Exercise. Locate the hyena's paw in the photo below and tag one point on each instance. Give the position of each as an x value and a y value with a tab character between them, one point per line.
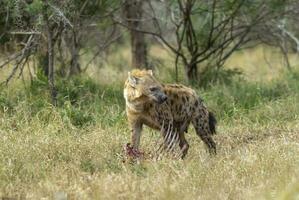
131	153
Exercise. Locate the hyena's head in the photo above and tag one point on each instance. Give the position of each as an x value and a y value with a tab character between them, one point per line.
145	87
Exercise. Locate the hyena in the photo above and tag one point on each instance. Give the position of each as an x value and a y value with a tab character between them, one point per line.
166	105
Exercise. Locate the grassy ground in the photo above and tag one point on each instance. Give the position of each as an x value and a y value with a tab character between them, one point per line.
75	149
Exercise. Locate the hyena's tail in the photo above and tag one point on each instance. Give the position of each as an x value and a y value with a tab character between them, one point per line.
212	123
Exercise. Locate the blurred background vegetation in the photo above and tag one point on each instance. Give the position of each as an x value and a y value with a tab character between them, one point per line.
71	52
190	40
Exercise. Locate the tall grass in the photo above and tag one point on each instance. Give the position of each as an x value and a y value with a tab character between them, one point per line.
75	149
242	97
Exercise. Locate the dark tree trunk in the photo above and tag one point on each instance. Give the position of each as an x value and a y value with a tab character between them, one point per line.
191	73
43	60
50	45
133	11
139	51
75	67
63	69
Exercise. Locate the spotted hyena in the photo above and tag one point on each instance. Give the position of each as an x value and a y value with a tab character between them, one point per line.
166	105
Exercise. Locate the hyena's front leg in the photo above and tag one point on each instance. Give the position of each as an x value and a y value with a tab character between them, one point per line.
132	150
136	128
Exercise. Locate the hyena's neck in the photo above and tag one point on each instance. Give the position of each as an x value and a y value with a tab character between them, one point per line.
135	107
131	103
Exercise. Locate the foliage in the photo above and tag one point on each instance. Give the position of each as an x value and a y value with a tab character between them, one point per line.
215	76
243	96
202	35
80	101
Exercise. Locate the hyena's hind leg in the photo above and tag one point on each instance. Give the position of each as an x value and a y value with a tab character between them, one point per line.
204	125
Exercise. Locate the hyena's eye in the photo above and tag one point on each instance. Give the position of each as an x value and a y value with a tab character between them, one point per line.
153	89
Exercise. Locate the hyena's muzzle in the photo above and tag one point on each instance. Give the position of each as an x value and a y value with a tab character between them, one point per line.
158	95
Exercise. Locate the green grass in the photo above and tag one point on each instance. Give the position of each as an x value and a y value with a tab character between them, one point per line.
76	147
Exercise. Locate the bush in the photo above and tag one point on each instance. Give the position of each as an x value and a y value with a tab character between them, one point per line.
80	100
5	102
76	115
212	76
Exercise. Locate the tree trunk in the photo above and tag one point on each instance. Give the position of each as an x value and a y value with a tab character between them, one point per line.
133	11
74	48
43	60
49	33
139	51
191	73
62	72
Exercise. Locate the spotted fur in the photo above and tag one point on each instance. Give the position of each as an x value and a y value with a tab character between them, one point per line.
148	102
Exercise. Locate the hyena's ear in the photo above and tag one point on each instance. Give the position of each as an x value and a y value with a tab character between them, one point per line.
133	81
150	72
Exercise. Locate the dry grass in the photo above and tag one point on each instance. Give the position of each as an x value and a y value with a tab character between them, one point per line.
43	155
39	160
